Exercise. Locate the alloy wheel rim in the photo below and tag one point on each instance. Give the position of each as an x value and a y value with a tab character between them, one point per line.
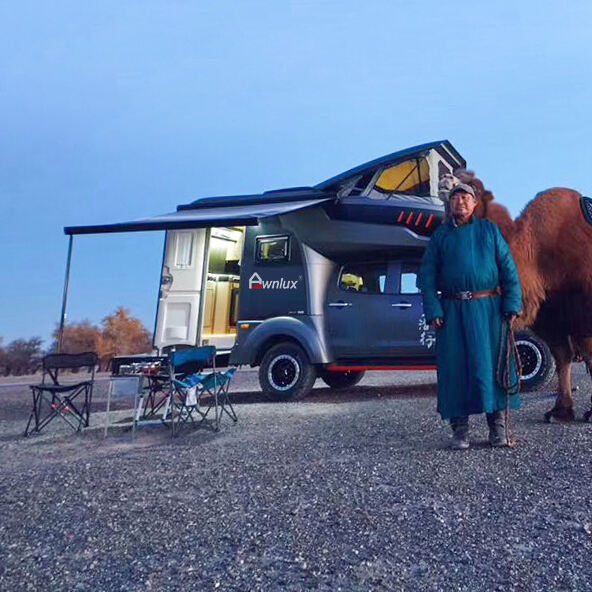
283	372
531	359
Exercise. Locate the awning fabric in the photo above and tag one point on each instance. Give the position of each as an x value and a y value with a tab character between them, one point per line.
240	215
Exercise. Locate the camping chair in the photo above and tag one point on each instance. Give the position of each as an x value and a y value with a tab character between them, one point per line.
185	383
217	385
59	398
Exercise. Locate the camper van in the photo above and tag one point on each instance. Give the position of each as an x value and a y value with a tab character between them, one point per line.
312	282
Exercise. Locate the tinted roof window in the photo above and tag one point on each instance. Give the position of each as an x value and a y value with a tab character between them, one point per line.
408	177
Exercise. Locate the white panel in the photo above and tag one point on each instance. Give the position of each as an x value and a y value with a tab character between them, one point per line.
177	318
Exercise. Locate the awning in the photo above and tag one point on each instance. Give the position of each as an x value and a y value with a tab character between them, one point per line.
239	215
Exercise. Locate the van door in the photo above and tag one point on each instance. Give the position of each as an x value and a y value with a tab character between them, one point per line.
185	262
413	336
358	305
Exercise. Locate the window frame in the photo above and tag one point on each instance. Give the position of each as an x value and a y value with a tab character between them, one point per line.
262	238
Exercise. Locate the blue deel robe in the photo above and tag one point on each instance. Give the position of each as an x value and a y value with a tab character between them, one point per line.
473	257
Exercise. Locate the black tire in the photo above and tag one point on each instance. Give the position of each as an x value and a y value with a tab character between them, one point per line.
341	380
538	365
285	373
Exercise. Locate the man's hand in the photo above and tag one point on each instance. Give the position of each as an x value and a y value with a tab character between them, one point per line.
511	318
438	323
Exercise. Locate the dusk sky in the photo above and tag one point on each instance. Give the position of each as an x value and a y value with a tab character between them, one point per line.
115	110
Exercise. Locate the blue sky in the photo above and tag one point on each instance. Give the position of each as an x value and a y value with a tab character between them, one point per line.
119	109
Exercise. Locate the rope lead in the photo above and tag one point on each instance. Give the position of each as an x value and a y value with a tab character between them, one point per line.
508	352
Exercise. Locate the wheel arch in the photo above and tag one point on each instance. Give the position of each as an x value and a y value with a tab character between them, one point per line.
301	332
270	342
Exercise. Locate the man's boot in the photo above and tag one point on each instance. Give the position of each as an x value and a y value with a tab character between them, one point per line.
497	428
460	433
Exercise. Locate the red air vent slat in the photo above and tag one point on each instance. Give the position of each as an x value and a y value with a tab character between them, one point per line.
419	218
409	218
401	215
429	220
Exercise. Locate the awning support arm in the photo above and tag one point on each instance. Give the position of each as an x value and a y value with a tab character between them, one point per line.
65	295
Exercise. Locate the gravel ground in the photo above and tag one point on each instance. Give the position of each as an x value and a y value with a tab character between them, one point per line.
355	491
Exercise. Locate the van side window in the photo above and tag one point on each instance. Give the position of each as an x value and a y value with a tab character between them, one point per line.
409	278
272	248
369	278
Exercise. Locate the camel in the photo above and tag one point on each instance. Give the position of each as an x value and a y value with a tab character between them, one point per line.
551	242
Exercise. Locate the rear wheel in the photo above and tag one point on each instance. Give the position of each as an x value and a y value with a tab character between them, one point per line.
538	365
341	380
285	373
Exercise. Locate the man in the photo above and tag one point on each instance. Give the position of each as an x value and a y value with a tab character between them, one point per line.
470	286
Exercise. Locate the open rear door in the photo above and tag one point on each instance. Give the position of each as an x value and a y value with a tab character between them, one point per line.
181	287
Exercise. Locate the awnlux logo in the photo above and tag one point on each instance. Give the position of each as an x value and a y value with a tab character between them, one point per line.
256	282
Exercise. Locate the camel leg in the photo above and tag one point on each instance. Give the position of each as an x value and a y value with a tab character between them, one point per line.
585	348
563	408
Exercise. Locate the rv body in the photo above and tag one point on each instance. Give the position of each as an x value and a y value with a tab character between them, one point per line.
307	282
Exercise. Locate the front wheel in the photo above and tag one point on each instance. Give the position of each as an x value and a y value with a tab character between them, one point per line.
341	380
538	365
285	373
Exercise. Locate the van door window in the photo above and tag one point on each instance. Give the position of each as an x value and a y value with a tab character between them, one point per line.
364	278
409	279
184	250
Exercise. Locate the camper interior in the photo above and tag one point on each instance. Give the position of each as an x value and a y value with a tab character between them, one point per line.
222	288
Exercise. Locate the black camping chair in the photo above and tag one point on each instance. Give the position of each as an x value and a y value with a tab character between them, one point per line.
52	399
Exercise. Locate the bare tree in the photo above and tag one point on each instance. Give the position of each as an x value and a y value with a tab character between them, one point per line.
23	356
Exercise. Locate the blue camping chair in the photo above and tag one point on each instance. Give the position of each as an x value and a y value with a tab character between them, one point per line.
188	383
217	385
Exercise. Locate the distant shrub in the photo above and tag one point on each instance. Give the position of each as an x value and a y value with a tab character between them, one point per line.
21	356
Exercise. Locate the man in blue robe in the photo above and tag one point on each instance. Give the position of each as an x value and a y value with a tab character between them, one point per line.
470	286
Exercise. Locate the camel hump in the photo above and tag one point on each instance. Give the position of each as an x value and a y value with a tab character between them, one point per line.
557	193
551	206
586	203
